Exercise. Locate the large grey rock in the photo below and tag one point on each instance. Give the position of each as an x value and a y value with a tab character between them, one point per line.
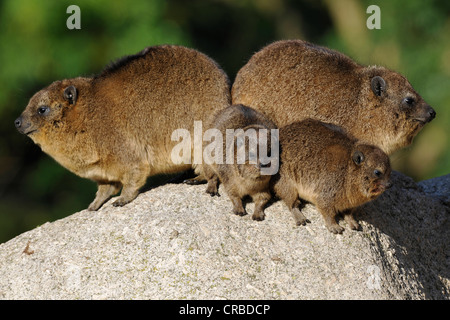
176	242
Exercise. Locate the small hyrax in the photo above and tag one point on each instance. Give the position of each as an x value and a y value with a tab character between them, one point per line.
115	128
294	80
320	164
245	178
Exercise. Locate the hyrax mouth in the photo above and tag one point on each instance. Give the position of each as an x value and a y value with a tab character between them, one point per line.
378	188
428	115
28	133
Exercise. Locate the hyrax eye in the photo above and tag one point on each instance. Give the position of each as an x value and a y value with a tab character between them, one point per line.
409	101
377	173
43	110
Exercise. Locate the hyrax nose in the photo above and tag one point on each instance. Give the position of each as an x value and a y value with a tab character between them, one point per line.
18	122
432	113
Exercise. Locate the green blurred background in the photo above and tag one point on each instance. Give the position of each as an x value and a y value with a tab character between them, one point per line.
37	49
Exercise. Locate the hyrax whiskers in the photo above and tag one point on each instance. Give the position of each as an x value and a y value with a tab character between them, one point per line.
320	164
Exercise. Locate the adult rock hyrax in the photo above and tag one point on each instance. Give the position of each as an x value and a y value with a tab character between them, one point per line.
293	80
248	134
320	164
115	128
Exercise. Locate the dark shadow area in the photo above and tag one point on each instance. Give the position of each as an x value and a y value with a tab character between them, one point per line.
411	234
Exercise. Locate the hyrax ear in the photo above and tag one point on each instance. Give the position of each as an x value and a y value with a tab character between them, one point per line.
70	94
358	157
378	86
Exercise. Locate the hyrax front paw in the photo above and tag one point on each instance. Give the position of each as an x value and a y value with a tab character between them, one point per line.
335	228
300	219
354	225
194	181
94	206
302	222
212	188
239	212
120	202
213	192
258	216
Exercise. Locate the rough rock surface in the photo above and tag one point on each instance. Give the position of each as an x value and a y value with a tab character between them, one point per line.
176	242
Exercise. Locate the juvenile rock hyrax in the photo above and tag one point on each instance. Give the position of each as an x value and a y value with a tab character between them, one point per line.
250	137
115	128
294	80
320	164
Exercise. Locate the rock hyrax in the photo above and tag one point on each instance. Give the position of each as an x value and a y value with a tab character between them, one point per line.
115	128
251	175
319	163
294	80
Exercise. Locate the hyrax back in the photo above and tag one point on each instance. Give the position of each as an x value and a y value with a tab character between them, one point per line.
115	128
250	137
319	163
294	80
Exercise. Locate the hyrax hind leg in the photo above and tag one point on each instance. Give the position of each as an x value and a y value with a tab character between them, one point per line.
329	214
132	182
238	207
104	192
260	200
289	194
300	219
200	179
213	181
202	175
213	186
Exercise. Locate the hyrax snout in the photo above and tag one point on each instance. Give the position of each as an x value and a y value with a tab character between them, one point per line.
115	128
294	80
321	164
249	160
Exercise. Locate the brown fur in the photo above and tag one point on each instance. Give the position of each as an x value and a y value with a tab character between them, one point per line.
240	180
118	130
293	80
317	165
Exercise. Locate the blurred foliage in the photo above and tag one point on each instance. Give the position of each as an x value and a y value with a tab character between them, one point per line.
37	49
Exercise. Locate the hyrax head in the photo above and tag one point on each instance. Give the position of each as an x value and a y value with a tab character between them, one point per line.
257	152
370	170
401	110
46	113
